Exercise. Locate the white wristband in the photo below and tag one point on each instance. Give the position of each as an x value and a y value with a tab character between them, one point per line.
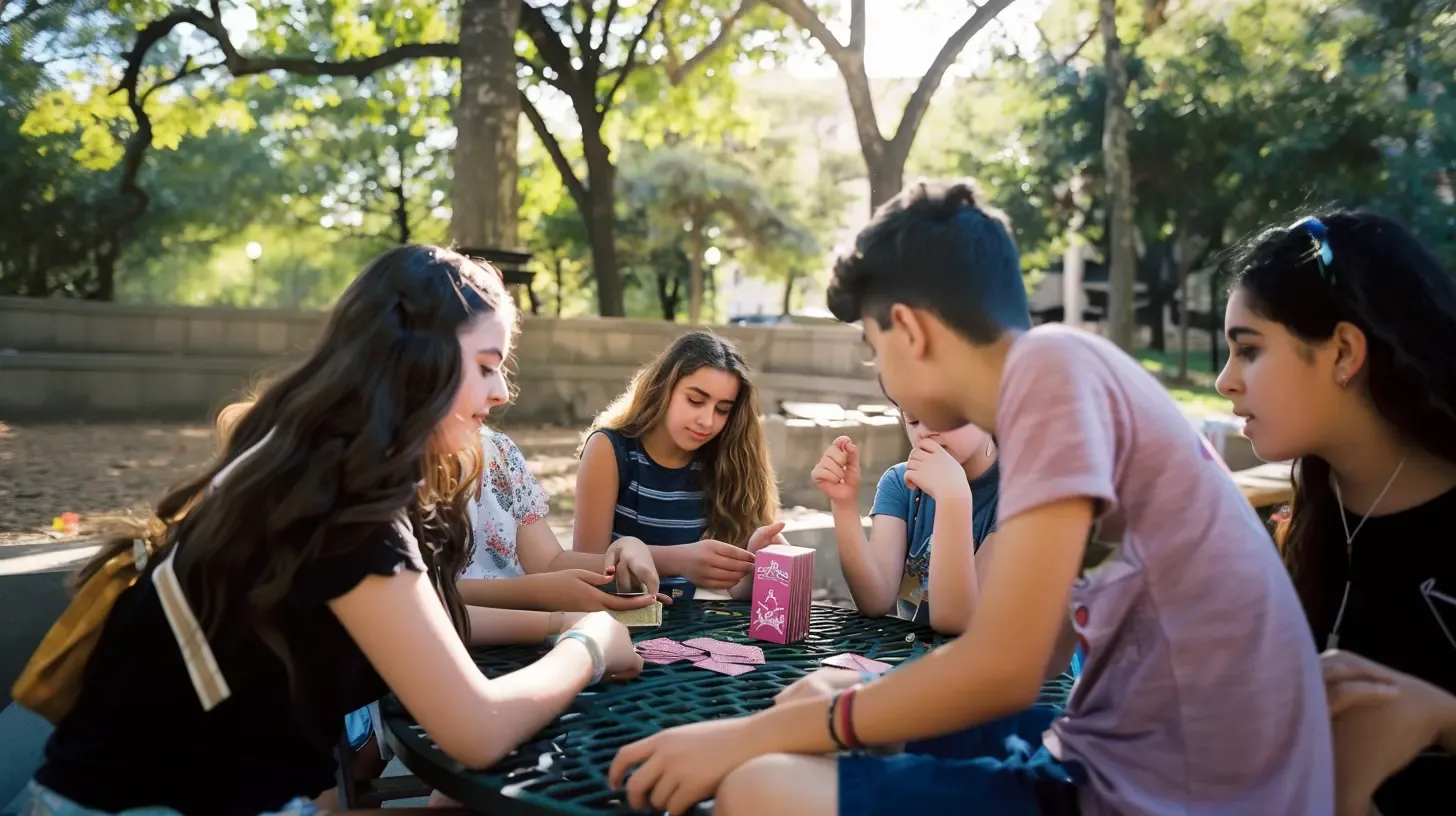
599	662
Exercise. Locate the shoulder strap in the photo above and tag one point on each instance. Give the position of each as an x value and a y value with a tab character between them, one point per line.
207	680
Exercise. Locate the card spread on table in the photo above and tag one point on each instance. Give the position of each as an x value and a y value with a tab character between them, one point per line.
643	616
718	648
721	656
783	593
855	662
668	645
730	669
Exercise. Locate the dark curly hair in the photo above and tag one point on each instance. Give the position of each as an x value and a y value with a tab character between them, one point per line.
350	448
1385	282
935	248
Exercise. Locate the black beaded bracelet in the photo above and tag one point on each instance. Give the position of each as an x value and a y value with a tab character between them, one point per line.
833	710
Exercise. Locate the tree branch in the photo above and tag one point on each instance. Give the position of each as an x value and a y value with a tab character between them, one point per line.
554	52
857	26
599	47
806	19
187	70
677	72
630	61
920	100
539	70
1062	63
237	65
579	192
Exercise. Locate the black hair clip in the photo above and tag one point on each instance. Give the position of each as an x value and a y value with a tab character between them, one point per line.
1320	237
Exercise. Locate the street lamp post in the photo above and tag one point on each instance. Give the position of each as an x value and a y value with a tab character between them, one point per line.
255	251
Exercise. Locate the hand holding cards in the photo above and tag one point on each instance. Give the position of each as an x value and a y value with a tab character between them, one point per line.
783	593
650	615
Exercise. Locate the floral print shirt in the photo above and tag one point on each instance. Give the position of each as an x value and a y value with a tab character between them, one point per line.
509	498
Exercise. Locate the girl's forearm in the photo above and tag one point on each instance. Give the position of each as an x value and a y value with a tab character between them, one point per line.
521	703
1447	735
873	593
571	559
497	593
511	627
666	559
953	584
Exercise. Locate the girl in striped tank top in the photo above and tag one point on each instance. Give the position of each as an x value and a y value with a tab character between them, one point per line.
680	462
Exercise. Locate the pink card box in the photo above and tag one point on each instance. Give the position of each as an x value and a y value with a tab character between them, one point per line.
778	572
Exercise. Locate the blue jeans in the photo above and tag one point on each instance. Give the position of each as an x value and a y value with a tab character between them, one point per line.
46	802
1002	767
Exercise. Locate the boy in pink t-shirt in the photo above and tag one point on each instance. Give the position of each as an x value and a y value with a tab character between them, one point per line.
1201	692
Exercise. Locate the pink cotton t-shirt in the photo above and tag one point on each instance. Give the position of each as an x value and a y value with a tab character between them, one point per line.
1201	693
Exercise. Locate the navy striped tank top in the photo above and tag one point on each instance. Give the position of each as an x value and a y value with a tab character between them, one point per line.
659	505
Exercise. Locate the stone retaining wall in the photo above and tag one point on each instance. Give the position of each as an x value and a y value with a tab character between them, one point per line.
66	359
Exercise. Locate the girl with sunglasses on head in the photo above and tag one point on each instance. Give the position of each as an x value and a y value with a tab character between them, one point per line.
1342	337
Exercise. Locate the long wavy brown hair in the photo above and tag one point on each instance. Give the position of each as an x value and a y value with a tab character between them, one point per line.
352	433
740	493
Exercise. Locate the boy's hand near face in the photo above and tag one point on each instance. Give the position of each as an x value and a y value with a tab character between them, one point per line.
933	470
837	474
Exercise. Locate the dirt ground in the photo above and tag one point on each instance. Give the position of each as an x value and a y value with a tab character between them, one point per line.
98	469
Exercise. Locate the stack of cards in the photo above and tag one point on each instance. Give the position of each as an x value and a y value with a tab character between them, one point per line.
783	590
714	655
650	615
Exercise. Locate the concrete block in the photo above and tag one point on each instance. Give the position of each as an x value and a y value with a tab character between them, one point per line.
169	335
240	337
114	390
272	337
71	333
27	330
204	336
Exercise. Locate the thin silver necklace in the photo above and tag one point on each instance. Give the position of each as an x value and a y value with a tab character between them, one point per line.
1334	639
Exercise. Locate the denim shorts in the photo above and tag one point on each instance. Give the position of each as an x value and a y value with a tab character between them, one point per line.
46	802
1001	766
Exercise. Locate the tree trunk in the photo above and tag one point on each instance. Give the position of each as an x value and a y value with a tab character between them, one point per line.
401	211
602	231
789	281
668	291
695	272
106	255
1122	255
487	121
887	177
560	283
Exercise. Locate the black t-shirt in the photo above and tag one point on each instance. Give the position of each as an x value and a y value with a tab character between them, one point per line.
1402	613
138	735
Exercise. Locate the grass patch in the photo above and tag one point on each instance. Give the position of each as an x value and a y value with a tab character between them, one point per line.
1197	393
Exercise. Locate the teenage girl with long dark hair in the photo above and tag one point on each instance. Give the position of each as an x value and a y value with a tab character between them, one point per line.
1342	330
313	567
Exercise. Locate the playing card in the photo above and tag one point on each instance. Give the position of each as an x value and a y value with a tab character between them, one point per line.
644	616
723	647
730	669
662	659
743	660
669	646
855	662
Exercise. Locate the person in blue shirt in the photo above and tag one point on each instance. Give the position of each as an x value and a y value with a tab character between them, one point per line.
932	521
680	462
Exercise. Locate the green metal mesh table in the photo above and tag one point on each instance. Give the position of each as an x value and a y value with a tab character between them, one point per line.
563	768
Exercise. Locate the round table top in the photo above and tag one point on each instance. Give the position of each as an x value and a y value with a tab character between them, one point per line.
563	768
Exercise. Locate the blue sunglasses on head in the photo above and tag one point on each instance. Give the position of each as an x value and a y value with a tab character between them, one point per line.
1320	236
